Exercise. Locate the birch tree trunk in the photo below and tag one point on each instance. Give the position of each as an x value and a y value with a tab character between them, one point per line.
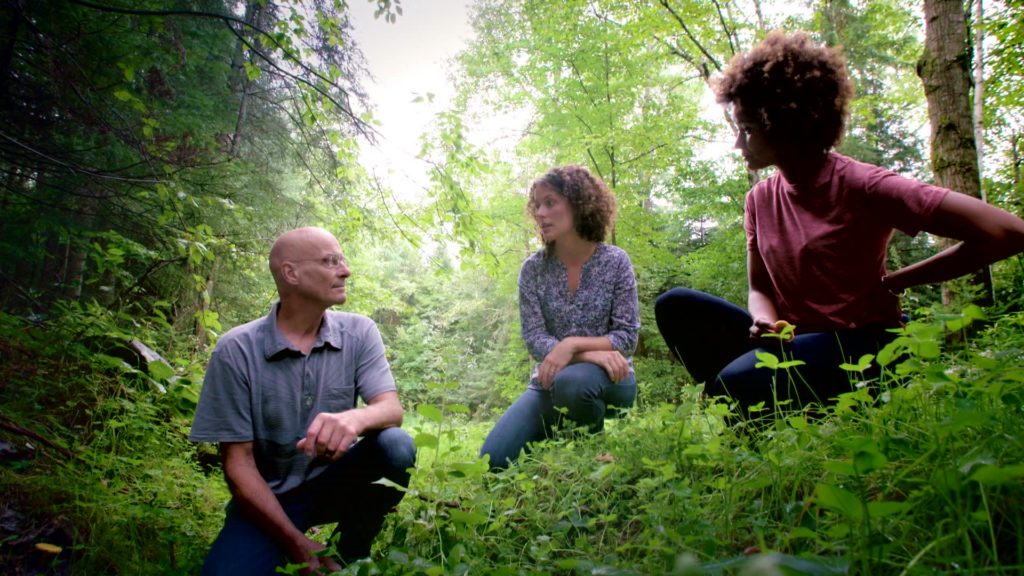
945	72
979	87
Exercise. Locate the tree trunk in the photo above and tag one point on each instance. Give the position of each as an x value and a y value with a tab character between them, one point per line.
7	53
73	274
205	297
979	87
945	72
1015	151
253	15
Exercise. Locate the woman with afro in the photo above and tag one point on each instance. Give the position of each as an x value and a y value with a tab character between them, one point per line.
817	236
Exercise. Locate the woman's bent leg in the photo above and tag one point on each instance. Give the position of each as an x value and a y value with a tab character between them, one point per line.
586	392
818	379
529	419
704	332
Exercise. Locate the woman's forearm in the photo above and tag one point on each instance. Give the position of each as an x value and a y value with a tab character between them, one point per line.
582	344
953	262
761	306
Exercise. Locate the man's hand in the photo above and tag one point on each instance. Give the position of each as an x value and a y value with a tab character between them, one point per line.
613	362
558	358
304	551
331	434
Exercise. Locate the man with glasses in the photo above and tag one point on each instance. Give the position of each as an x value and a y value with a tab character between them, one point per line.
280	397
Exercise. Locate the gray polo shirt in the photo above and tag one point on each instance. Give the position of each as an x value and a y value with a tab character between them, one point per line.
260	388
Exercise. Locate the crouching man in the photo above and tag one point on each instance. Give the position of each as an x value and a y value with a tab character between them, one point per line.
280	400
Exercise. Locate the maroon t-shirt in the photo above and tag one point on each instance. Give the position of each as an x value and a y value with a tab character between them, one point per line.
825	247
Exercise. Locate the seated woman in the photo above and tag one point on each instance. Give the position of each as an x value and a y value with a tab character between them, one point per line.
817	237
579	313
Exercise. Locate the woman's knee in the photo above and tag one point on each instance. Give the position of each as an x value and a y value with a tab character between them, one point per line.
529	419
671	302
578	382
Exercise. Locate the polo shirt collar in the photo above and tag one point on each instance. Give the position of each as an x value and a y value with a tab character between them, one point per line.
275	344
330	332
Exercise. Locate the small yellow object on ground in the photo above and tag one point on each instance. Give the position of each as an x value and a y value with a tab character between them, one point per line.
48	548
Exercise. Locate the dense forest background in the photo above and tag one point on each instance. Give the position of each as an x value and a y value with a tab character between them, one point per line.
151	151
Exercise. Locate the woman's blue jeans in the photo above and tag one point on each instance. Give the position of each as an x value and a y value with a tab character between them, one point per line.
344	493
583	390
711	337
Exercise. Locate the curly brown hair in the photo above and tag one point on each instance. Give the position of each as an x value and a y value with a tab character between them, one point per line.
798	90
592	202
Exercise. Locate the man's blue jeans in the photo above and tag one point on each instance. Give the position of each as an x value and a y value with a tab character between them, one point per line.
711	337
344	493
583	390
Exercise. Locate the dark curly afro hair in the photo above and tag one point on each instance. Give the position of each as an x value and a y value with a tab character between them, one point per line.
593	204
796	89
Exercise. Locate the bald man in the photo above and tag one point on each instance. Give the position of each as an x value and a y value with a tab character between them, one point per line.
279	398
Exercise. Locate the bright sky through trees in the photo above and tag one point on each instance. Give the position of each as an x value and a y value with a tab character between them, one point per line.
409	61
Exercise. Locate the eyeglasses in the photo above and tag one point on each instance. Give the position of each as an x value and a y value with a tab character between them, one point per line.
331	261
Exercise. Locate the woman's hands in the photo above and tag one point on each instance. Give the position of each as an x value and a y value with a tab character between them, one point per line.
558	358
613	362
763	326
566	352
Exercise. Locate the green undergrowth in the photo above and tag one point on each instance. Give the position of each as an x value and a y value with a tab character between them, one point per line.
917	472
97	473
920	471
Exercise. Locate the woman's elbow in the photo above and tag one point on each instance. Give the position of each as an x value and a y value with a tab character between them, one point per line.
1008	242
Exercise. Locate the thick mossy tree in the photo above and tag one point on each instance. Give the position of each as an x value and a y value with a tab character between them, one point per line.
945	71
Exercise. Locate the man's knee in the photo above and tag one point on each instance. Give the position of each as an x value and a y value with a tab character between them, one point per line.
398	449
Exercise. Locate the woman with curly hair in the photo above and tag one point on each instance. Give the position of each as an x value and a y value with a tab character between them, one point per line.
817	236
579	313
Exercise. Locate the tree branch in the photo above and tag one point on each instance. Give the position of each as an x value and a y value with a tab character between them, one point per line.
9	425
686	30
725	27
228	20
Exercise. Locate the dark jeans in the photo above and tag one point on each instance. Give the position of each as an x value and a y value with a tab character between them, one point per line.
711	337
583	390
344	493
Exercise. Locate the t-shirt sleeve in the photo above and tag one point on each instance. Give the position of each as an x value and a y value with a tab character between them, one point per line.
224	412
372	371
906	204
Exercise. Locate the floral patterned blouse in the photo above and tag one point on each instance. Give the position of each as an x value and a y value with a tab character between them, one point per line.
605	303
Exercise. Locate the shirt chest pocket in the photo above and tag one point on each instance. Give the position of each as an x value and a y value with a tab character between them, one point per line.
338	397
336	385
